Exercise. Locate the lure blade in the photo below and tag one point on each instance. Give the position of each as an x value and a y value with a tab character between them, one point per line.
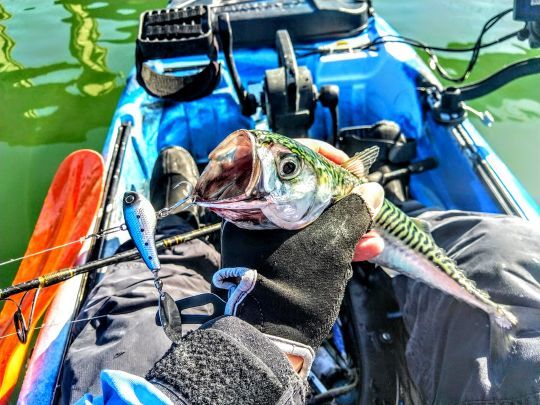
141	222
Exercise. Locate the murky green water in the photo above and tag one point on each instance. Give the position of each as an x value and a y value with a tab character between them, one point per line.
63	65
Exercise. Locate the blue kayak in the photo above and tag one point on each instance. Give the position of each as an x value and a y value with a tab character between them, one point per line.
382	82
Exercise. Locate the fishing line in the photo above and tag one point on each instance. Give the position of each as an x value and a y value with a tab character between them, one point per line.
55	324
19	321
162	213
131	254
190	199
433	59
80	240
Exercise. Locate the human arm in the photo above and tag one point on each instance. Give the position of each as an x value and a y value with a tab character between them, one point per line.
295	280
294	299
313	242
209	366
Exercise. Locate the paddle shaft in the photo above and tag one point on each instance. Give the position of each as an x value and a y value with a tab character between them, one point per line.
132	254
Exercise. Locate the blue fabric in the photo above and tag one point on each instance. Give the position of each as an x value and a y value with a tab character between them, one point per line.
119	387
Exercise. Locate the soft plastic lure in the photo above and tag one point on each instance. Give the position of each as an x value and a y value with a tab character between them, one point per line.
258	179
141	222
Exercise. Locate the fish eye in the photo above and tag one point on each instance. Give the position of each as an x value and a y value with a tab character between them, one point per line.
289	167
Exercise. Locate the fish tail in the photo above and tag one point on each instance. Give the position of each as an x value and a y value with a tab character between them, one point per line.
504	318
415	235
501	341
497	313
501	316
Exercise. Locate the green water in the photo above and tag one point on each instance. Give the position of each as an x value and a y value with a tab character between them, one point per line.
515	135
63	65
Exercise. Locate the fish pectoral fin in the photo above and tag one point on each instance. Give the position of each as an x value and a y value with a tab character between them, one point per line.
361	162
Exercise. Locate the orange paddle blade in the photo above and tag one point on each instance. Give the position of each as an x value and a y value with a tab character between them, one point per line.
68	211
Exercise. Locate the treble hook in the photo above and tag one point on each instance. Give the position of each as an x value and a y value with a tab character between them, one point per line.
165	212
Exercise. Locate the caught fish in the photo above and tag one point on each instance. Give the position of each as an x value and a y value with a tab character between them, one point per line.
258	179
141	222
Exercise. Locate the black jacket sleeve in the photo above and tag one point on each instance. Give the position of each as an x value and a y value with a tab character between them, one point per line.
227	361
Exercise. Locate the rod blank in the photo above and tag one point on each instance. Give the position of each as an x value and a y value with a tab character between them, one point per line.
132	254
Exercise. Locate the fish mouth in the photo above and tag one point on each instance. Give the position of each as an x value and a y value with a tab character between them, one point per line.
231	178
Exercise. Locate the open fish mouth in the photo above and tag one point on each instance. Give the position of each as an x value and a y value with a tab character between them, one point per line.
231	179
255	216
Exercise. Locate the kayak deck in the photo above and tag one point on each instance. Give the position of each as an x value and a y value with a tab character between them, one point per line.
375	84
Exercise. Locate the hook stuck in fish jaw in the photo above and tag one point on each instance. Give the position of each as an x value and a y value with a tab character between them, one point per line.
174	209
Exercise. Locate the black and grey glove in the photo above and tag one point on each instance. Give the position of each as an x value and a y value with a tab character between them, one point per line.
293	297
290	284
227	361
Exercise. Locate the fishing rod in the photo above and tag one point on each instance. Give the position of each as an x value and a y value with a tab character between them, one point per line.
162	213
132	254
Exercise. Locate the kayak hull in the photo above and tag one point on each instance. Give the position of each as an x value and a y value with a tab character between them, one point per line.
375	84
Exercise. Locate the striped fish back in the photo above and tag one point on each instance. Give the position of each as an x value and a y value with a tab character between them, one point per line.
400	226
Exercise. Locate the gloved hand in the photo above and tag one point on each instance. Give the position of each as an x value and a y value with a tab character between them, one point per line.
290	284
290	287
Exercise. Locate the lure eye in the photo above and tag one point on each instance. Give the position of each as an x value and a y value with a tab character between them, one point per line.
129	199
289	167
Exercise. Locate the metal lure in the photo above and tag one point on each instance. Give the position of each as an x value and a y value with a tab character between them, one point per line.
141	222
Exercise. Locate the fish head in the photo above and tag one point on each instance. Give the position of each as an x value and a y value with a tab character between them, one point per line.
258	179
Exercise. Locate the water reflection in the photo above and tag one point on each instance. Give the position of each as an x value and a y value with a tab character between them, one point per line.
7	63
96	79
63	100
6	45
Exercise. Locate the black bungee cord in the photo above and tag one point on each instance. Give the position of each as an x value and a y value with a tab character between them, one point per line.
433	60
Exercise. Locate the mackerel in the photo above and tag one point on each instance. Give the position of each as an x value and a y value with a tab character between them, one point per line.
261	180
